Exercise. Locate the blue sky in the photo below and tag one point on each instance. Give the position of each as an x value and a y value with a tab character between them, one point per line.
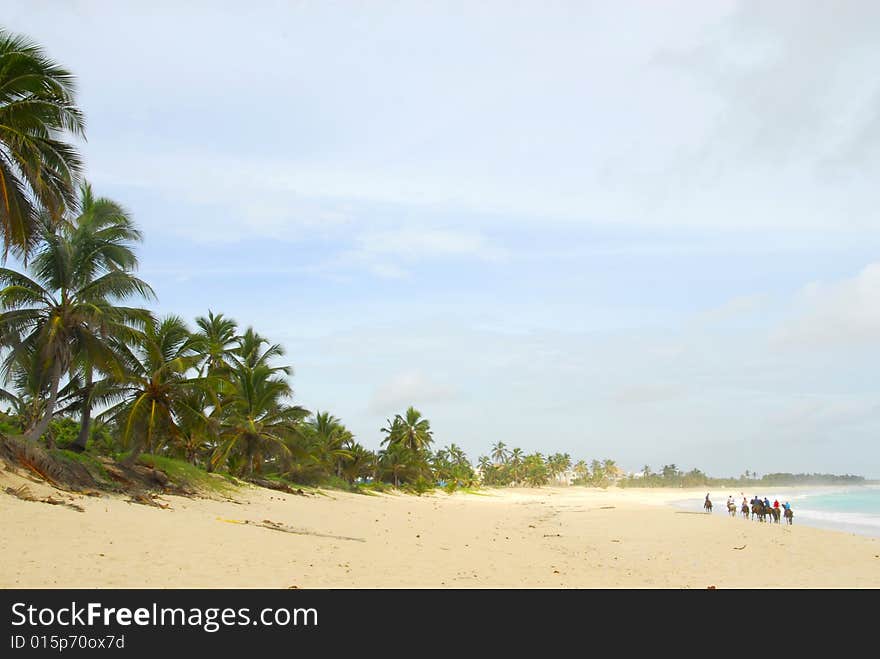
643	231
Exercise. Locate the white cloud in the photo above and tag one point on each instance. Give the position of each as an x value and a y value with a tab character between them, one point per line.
409	388
844	313
734	309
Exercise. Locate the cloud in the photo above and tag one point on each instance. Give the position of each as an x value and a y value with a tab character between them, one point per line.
807	415
734	309
409	388
717	116
845	313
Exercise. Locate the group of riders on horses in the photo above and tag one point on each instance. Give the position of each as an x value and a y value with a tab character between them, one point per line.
757	507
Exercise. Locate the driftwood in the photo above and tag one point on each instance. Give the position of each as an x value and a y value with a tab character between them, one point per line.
33	458
146	500
276	526
275	485
24	493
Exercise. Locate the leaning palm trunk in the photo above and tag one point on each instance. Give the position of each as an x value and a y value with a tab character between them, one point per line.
36	431
134	454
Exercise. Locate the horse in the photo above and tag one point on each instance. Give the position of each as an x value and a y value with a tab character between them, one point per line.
745	511
758	511
774	512
707	506
731	508
788	515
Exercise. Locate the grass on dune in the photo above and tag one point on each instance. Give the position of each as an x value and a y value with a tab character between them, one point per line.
92	464
187	475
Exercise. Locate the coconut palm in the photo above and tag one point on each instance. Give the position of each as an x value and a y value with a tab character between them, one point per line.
68	312
156	386
251	353
196	431
27	395
500	453
38	169
410	430
516	464
256	421
399	463
358	463
329	441
103	235
611	469
219	343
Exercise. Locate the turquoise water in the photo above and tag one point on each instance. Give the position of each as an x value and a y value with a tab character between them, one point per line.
849	509
856	510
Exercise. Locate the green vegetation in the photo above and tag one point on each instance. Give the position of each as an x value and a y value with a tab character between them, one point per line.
38	168
672	476
92	464
184	474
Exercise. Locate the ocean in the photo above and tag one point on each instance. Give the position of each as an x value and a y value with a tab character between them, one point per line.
853	509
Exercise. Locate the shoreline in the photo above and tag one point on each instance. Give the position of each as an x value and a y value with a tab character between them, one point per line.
851	523
511	538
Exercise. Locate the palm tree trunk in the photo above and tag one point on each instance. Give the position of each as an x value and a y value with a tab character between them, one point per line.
35	432
135	453
85	421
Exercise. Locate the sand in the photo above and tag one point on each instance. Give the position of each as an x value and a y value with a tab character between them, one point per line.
512	538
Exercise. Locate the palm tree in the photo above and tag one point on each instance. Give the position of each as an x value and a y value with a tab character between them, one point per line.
400	463
103	235
255	419
38	170
196	430
516	462
358	463
218	342
28	379
598	471
536	471
500	453
68	313
329	439
156	385
611	469
409	430
487	470
670	472
250	352
457	456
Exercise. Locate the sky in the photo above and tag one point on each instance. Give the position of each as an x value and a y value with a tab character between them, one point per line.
633	230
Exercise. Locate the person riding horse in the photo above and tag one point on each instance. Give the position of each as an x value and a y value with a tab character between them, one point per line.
707	505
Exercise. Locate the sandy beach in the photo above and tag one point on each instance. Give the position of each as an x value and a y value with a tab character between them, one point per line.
511	538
